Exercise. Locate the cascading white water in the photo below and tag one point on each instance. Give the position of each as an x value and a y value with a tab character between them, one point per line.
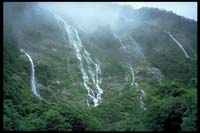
33	84
91	75
186	55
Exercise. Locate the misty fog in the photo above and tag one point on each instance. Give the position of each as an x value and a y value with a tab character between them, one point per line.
86	15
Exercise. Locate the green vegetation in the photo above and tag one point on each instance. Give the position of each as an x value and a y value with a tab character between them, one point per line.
171	105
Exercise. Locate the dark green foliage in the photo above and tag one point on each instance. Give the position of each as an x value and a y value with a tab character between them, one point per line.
23	111
122	113
168	108
44	75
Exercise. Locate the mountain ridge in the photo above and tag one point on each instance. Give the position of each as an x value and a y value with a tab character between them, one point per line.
126	59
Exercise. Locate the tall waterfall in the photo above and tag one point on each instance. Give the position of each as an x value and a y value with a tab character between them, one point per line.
186	55
91	72
33	83
141	91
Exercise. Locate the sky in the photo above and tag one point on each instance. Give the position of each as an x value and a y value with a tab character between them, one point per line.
186	9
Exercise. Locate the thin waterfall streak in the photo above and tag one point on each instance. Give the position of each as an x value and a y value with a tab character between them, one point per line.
133	76
123	46
132	73
33	84
136	87
88	103
172	37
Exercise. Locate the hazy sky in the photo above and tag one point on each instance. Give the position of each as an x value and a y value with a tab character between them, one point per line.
186	9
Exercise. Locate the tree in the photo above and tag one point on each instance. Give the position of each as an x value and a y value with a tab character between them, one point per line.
167	108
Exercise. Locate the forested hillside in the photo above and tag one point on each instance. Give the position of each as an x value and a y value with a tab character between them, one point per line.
66	71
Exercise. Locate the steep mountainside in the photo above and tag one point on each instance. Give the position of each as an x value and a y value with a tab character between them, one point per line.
66	71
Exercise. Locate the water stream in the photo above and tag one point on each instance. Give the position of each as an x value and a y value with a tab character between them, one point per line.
90	69
186	54
33	82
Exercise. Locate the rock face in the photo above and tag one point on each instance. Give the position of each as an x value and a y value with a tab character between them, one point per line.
89	62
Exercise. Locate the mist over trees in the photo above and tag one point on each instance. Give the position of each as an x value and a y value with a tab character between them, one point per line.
138	64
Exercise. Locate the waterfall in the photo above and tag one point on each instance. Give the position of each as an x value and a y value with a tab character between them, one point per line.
122	45
33	83
88	103
91	72
186	55
133	76
141	91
